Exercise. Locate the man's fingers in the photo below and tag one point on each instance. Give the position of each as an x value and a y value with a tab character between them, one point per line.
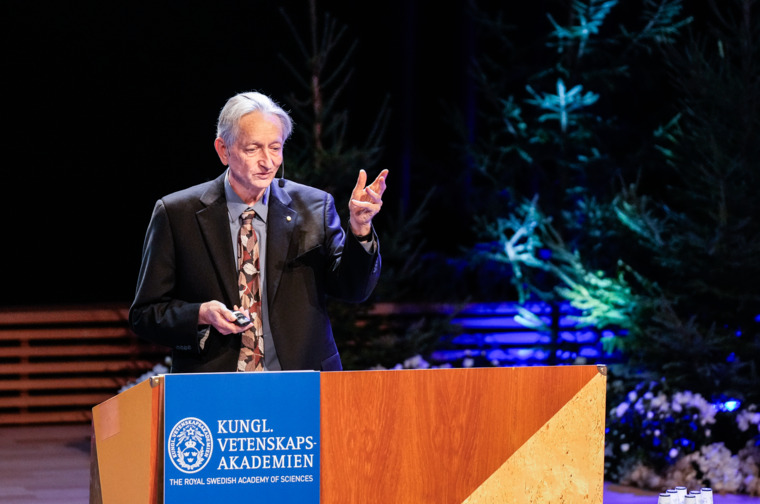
366	201
361	190
361	182
369	196
364	204
379	184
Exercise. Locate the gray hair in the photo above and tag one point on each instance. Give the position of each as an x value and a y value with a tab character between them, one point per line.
244	103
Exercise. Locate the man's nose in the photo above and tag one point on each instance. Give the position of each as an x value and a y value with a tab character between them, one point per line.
267	159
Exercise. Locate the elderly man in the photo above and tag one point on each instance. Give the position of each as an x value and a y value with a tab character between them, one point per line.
236	272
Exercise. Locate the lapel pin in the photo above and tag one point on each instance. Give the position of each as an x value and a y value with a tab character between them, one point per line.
287	218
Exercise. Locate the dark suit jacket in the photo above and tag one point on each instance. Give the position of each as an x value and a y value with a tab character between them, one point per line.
188	260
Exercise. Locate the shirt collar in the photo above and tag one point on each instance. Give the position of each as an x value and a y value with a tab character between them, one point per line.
236	206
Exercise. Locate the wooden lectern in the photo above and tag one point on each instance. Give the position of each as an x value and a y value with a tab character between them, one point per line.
486	435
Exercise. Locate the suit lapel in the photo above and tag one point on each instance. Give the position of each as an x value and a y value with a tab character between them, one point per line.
281	222
213	221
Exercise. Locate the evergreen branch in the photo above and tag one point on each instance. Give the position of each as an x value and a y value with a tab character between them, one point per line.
590	17
295	33
374	140
329	105
297	74
562	104
634	213
329	46
661	23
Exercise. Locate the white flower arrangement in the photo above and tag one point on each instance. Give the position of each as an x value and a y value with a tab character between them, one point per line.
659	440
418	362
714	463
748	418
158	369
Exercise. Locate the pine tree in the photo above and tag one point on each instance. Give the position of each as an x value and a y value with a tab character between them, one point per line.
325	152
643	221
561	127
701	235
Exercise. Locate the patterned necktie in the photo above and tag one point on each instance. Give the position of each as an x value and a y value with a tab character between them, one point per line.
252	344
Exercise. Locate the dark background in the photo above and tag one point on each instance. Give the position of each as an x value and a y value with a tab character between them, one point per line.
110	105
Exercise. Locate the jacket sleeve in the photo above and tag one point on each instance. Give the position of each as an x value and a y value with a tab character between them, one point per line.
155	314
354	272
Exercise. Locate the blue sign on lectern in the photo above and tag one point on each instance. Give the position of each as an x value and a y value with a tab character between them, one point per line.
241	437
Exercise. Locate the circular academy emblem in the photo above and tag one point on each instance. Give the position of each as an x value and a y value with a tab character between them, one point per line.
190	445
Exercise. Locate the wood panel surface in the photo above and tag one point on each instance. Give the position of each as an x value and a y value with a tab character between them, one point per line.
562	462
56	363
128	447
49	464
434	436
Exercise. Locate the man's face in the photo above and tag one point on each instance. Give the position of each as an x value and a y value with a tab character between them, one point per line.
255	156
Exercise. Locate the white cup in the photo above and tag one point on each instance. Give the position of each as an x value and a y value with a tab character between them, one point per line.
681	493
707	496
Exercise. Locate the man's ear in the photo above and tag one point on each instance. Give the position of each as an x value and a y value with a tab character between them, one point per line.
221	151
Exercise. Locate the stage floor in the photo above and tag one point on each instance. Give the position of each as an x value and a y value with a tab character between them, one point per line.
51	464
